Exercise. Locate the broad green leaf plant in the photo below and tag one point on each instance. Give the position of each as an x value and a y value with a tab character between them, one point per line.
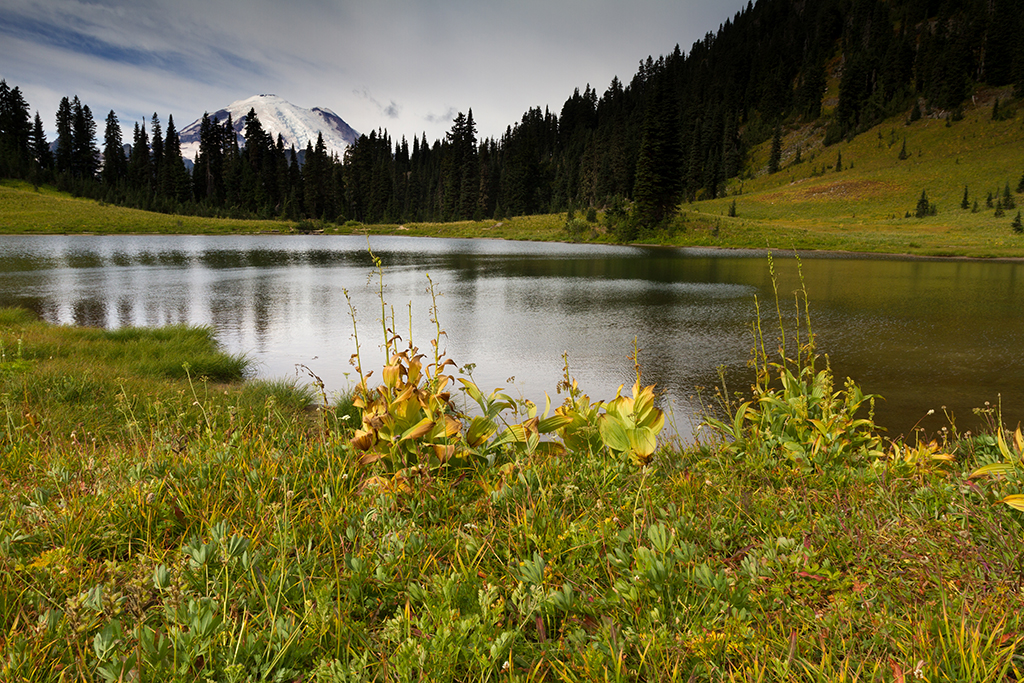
795	414
1011	465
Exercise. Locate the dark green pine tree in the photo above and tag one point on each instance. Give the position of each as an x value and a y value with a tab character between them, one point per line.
115	163
775	156
1017	226
923	206
65	139
965	203
469	189
208	172
15	133
1020	185
156	153
232	165
85	155
315	178
140	169
174	180
1008	202
41	153
658	188
1002	40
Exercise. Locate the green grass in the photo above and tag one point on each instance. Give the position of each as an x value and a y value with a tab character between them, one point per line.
156	526
26	210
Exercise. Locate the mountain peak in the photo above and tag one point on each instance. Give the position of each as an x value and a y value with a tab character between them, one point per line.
297	126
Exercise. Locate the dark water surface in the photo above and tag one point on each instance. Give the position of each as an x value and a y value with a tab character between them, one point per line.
922	333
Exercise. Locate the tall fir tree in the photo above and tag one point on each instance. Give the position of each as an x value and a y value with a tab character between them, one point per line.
156	152
775	155
140	169
84	154
65	139
115	163
659	168
15	132
41	153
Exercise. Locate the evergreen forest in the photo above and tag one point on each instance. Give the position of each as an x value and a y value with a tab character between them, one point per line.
683	124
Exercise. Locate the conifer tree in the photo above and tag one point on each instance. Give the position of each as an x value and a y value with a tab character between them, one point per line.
839	162
924	207
115	163
1017	226
139	167
659	170
85	161
1008	202
65	141
903	151
15	132
156	152
775	156
41	148
965	203
175	180
208	172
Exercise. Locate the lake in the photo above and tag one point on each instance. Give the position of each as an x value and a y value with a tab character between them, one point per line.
922	333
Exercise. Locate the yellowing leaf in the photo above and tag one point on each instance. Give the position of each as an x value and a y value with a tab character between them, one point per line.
419	429
1015	501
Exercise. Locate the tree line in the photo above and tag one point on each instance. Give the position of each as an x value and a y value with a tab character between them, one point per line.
675	132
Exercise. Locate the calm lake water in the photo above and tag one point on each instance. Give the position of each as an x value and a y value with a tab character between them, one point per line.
921	333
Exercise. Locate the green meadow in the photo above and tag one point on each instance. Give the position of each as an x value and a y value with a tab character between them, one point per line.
164	521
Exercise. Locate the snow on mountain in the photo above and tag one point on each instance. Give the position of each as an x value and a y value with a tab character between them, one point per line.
277	116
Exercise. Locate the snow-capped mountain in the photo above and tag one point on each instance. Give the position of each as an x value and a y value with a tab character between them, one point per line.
277	116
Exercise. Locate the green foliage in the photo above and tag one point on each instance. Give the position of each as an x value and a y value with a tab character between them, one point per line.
630	425
577	229
1010	466
795	415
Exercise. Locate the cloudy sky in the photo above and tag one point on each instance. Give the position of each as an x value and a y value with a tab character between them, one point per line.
405	65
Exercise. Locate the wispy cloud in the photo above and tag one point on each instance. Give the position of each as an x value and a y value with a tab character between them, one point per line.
447	117
408	64
392	110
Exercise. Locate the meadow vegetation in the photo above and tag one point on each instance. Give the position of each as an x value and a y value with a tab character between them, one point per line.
162	521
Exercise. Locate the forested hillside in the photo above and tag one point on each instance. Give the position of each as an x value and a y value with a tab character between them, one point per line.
683	124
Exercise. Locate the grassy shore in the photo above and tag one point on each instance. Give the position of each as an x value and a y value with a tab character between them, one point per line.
162	521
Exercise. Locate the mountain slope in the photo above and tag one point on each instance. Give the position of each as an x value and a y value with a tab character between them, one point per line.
296	125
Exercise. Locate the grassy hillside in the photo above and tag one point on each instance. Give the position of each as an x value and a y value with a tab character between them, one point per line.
864	206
